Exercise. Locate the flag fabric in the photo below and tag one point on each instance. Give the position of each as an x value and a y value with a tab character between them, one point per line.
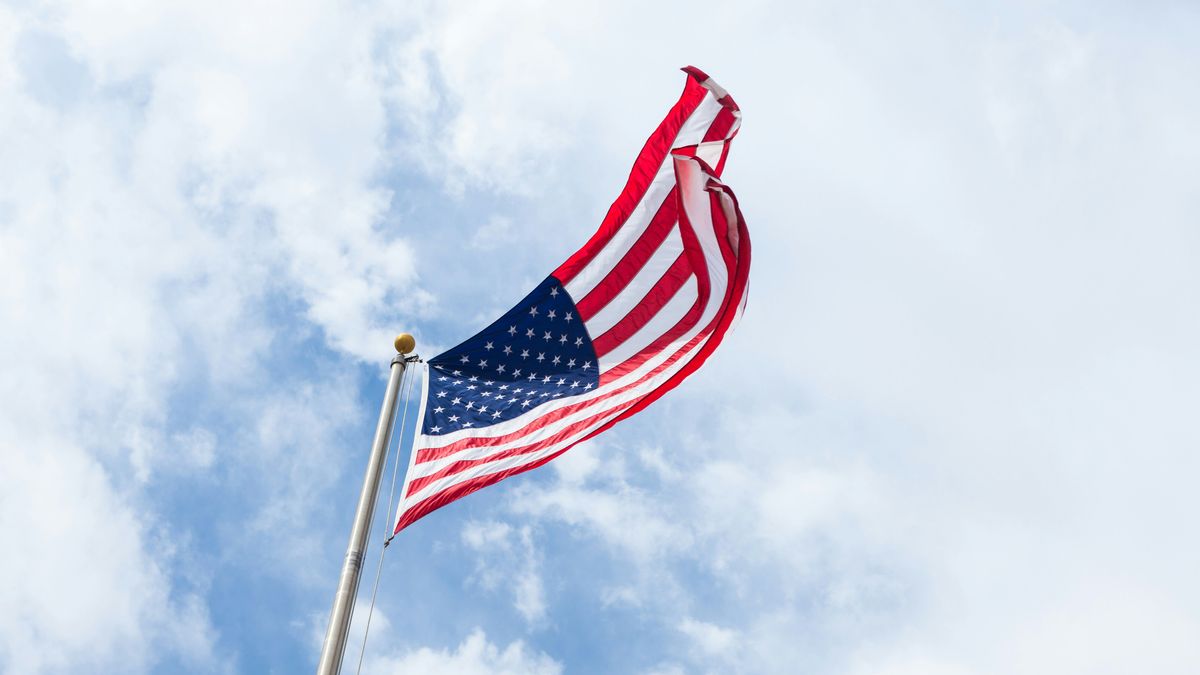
625	319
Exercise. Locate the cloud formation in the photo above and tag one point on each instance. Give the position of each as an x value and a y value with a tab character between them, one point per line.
951	435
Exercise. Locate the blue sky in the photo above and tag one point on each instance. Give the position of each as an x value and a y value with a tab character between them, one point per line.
952	435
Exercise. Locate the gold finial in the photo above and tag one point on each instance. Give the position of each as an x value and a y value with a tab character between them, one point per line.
405	343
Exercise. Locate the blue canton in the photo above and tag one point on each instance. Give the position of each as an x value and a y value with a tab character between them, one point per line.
536	352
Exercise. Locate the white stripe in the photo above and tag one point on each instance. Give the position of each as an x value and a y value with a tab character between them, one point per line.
719	280
697	205
711	152
624	239
630	296
668	316
691	133
612	407
517	423
491	467
546	431
697	125
695	202
558	425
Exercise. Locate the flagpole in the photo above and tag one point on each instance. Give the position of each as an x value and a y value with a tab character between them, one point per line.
343	600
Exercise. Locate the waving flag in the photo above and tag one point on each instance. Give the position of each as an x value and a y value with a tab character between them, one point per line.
624	320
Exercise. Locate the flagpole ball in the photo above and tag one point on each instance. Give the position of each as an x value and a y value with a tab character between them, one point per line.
405	343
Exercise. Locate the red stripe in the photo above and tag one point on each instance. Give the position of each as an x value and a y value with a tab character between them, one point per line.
693	315
625	270
734	242
739	263
720	126
417	484
644	169
619	277
733	299
691	248
460	490
429	454
699	265
647	308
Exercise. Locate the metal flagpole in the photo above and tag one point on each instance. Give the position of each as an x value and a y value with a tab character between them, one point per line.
343	601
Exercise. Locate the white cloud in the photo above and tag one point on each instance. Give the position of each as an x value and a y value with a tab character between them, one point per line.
475	656
508	560
88	582
710	639
951	435
170	180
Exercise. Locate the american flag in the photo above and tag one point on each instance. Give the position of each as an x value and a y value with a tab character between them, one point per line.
624	320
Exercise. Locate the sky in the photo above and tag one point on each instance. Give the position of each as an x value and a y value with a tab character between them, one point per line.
954	433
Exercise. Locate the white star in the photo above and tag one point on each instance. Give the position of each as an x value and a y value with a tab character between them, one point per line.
456	382
503	387
470	386
533	311
587	386
483	408
556	360
488	383
574	384
546	336
464	359
524	404
470	405
571	363
568	317
507	350
563	339
518	390
438	409
473	378
500	368
587	364
554	292
561	381
495	414
517	372
441	394
541	356
468	424
578	342
456	401
529	333
524	353
488	347
550	315
532	377
434	430
546	379
512	330
482	363
453	418
456	373
544	394
443	378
